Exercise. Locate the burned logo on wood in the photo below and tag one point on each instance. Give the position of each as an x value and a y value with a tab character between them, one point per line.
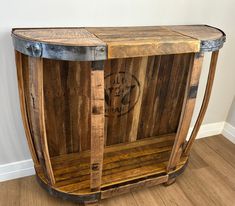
122	91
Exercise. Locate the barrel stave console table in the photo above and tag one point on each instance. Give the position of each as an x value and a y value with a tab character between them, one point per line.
107	110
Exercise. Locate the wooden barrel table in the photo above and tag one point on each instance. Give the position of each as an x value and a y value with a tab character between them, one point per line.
107	110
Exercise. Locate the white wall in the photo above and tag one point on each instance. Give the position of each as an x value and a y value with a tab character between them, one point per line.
231	114
28	13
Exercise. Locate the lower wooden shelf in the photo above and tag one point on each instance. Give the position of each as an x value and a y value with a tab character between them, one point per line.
123	164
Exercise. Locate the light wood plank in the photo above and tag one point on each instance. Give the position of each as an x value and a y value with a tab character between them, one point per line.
97	127
60	36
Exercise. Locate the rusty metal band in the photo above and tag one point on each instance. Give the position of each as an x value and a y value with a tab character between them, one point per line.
59	52
212	45
193	92
68	196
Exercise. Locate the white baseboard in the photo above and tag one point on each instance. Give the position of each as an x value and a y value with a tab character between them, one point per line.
229	132
25	168
16	170
207	130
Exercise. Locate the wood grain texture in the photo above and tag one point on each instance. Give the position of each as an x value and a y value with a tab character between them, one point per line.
24	114
103	128
67	105
205	102
158	96
170	114
134	186
163	94
38	66
145	96
124	83
132	113
210	183
133	117
201	32
123	42
187	111
97	127
121	163
60	36
126	42
32	75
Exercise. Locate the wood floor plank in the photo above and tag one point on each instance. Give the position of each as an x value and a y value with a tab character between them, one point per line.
221	192
172	195
121	200
196	190
146	198
27	192
216	162
222	147
208	180
196	161
10	193
32	193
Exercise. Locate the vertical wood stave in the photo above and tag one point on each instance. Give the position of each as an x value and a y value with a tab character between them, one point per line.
149	105
38	66
133	117
207	94
97	127
114	131
32	103
30	78
21	88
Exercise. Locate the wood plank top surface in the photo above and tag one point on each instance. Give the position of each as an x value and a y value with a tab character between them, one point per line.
122	42
144	41
199	32
60	36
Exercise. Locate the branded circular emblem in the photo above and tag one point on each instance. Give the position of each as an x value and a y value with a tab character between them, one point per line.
122	91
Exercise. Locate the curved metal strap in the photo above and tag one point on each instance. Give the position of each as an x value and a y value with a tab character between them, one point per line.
59	52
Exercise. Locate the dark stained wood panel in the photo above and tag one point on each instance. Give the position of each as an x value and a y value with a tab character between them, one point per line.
174	96
124	81
160	96
146	103
163	94
67	105
141	100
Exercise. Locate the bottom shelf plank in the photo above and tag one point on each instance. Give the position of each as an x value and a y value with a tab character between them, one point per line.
123	163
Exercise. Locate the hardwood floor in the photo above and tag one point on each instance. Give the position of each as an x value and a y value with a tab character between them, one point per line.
208	180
